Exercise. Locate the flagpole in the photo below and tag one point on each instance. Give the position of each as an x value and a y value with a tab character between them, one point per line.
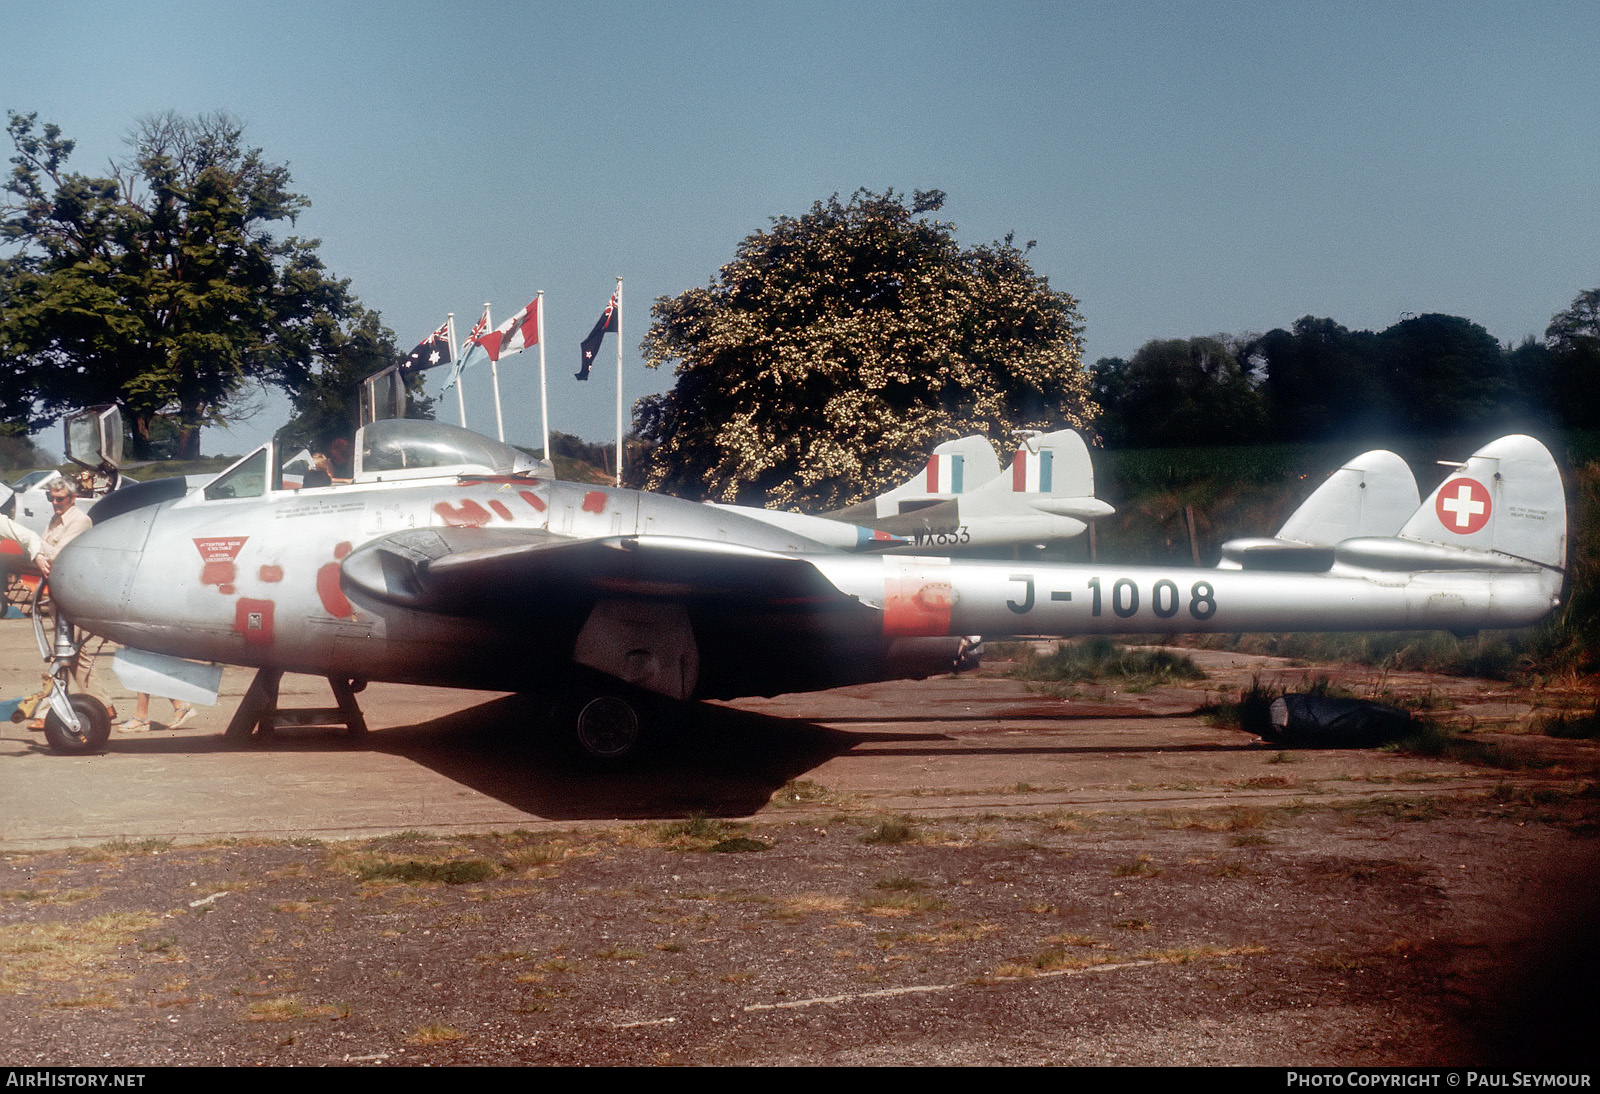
455	367
619	381
494	373
544	397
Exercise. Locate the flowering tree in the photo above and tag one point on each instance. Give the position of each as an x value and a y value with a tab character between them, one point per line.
838	347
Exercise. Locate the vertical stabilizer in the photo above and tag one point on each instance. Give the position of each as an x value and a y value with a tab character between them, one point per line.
1506	498
1051	473
1371	495
956	467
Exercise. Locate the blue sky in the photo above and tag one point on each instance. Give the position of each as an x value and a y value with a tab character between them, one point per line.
1185	168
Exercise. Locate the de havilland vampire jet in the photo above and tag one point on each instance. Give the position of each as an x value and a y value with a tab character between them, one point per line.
454	560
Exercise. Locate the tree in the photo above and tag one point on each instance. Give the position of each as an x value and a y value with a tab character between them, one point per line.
1320	380
1176	393
837	347
327	404
1445	374
1572	372
161	286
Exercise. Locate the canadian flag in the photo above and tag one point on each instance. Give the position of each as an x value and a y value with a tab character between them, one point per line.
514	335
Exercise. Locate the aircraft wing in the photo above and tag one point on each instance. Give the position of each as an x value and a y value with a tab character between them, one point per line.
496	572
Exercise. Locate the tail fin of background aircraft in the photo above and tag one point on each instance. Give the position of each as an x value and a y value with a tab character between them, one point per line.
1507	498
1502	509
956	468
1051	472
1371	495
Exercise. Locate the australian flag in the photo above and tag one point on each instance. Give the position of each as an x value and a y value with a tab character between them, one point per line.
591	344
431	352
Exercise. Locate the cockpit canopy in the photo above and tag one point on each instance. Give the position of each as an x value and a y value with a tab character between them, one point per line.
398	448
390	450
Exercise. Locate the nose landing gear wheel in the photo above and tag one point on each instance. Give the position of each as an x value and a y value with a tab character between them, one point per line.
607	729
95	731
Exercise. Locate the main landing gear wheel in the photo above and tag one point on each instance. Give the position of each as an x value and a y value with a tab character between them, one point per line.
608	729
94	719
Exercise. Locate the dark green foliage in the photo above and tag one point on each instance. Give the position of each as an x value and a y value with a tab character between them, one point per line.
1177	393
162	287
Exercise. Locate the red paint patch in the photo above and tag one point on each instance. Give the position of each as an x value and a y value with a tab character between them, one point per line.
917	601
500	508
334	602
469	515
341	549
532	499
218	553
253	619
271	573
594	502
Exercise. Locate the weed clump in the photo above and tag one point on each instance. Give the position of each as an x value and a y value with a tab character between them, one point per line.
891	830
1097	658
449	872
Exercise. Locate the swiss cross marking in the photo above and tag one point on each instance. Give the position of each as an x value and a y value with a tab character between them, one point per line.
1463	506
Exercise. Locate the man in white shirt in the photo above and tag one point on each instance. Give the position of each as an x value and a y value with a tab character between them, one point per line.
68	523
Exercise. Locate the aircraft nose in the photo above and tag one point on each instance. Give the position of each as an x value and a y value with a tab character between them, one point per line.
91	577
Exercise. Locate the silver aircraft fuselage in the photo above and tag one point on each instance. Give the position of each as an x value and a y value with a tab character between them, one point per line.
264	581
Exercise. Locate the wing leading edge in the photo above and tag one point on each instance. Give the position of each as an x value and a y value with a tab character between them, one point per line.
483	572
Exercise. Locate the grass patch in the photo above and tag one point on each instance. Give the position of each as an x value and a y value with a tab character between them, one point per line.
416	872
694	833
737	844
32	954
1139	867
900	884
1097	659
904	904
136	847
804	792
1570	727
435	1035
892	830
49	896
290	1008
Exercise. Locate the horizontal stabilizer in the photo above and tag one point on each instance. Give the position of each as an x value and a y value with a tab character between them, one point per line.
1276	554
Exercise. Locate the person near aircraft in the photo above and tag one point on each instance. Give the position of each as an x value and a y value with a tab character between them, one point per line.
334	461
28	542
140	722
67	524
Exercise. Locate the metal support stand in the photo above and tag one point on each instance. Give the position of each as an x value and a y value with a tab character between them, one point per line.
258	714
